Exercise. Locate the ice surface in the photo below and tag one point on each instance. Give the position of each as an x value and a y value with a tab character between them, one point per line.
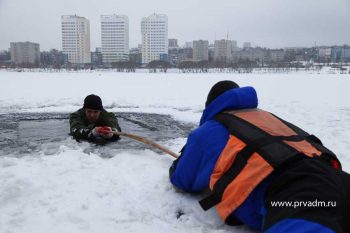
72	187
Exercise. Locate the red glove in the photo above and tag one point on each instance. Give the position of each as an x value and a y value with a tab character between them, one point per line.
105	131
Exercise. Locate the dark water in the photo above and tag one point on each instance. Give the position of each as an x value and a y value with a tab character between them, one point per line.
26	133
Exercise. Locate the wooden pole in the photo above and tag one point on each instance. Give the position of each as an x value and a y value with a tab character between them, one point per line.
147	142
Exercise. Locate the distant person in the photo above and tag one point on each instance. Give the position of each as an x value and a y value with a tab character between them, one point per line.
260	170
93	123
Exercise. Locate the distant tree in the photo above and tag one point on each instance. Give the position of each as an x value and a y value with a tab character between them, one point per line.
163	66
246	65
123	66
131	66
28	65
203	66
187	66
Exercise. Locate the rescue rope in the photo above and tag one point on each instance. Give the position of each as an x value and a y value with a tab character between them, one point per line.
147	142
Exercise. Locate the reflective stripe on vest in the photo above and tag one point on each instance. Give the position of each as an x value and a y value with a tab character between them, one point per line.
259	142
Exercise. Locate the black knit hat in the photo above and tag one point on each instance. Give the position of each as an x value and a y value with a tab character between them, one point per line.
218	89
93	102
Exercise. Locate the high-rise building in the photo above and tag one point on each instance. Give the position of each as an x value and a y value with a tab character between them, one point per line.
154	29
324	54
346	54
173	56
234	44
184	54
25	53
211	51
173	43
200	50
5	57
76	39
188	44
115	38
97	58
276	55
247	45
223	51
135	56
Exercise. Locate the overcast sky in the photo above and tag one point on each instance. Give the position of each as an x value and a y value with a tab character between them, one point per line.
267	23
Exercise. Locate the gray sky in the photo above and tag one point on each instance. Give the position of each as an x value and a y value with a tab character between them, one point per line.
268	23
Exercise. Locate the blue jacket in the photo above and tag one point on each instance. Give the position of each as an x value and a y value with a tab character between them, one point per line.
192	171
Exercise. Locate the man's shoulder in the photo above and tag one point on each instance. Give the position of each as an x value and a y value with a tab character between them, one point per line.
105	113
79	112
209	129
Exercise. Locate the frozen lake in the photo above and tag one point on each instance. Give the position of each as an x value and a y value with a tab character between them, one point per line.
25	133
51	183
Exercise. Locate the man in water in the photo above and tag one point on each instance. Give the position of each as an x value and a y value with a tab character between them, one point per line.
93	123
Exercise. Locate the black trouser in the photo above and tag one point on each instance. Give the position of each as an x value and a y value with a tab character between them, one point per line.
310	182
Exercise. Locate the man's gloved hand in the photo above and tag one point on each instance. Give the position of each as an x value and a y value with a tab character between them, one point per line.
96	131
106	132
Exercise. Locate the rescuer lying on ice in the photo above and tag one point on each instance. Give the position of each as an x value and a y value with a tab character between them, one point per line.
256	164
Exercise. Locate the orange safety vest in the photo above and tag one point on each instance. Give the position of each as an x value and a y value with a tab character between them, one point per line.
259	142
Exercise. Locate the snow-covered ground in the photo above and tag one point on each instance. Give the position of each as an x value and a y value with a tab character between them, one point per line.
75	191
